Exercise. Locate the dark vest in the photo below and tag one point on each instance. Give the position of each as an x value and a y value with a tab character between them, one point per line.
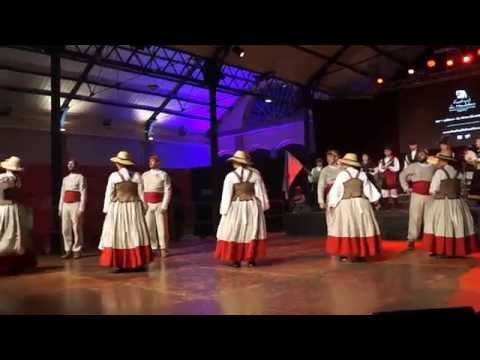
244	190
352	188
125	191
449	188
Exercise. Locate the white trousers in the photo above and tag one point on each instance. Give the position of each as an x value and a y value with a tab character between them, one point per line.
157	225
72	227
392	193
416	214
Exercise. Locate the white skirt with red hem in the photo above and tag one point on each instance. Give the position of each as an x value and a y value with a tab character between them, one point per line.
242	232
353	230
125	241
449	228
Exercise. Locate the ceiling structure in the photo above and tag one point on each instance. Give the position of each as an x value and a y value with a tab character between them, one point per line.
163	87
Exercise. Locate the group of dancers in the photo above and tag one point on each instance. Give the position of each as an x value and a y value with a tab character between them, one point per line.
136	208
350	189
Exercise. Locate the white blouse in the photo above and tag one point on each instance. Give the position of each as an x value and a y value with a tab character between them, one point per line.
336	192
231	179
395	167
440	175
115	178
6	182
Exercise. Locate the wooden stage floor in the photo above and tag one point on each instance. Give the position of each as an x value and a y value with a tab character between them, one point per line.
296	278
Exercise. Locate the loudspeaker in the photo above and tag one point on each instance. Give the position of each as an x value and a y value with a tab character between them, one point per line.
450	313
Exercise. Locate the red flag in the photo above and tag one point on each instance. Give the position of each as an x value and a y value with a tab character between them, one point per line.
292	168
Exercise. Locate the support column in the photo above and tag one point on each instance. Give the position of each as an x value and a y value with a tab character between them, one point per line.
212	75
307	104
56	149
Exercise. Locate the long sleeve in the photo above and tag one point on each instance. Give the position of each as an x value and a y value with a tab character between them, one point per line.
322	182
227	194
435	184
139	180
311	176
167	192
261	193
404	175
336	192
60	202
83	193
395	167
108	195
381	168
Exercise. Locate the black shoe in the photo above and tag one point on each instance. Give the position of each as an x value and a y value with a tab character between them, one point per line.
67	255
432	254
119	271
236	264
139	269
251	264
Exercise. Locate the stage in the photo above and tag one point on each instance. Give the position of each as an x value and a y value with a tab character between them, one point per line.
393	223
296	278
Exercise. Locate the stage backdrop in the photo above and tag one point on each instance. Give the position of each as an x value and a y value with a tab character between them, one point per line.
446	108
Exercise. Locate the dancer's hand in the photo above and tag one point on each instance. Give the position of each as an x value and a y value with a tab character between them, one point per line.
408	191
321	205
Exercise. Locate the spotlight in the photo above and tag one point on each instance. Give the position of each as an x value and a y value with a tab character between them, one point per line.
431	63
478	52
150	138
268	100
411	71
467	59
239	51
449	62
380	81
63	129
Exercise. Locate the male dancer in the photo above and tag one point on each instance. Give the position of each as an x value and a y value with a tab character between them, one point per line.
411	157
388	168
73	198
415	180
157	194
313	177
327	177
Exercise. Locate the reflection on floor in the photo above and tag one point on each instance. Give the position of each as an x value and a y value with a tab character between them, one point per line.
296	278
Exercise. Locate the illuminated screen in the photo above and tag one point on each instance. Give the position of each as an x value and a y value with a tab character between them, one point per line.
450	108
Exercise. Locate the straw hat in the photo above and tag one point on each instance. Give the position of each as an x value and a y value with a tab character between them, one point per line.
12	164
350	159
445	156
241	157
123	158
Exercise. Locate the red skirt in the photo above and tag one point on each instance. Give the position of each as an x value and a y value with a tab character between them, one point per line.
449	246
354	246
126	258
11	264
389	180
235	251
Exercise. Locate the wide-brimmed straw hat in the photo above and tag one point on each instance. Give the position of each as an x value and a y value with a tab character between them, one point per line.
13	163
123	158
241	157
350	159
445	156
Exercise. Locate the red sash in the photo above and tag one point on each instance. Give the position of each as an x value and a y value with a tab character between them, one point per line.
71	197
153	197
421	187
